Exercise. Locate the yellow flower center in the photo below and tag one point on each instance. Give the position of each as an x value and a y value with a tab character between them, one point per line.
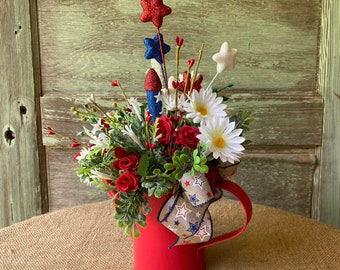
219	142
202	110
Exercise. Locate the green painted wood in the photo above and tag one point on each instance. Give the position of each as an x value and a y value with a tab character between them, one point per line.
327	197
21	167
87	44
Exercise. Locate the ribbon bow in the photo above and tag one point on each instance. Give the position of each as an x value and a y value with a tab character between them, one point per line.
186	211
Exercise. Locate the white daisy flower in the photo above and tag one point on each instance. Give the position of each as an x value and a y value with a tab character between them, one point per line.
168	99
222	139
203	105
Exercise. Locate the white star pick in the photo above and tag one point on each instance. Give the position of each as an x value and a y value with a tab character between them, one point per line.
225	58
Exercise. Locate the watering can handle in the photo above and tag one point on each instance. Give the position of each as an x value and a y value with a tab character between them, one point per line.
242	196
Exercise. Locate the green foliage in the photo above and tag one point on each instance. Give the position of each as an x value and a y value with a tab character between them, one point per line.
130	207
200	162
242	120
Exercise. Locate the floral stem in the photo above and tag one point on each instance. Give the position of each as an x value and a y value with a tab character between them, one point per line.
186	81
177	78
212	80
100	109
196	69
163	59
123	92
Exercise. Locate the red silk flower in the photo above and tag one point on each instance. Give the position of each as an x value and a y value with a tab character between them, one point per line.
128	181
126	161
187	136
166	129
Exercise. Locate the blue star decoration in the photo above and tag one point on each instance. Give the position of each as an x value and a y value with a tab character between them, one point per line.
193	227
193	199
177	223
153	49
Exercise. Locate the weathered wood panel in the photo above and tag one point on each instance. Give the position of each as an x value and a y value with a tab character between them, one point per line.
281	120
87	44
327	197
21	171
279	179
65	189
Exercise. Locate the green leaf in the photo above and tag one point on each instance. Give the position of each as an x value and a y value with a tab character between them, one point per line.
197	160
120	223
204	169
128	229
197	167
158	193
142	223
143	165
136	232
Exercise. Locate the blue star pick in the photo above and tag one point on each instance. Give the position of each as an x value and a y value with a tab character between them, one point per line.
153	49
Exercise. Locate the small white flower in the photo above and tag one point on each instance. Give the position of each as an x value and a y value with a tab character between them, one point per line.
136	107
222	139
99	175
99	140
128	131
92	98
169	99
203	105
87	181
82	154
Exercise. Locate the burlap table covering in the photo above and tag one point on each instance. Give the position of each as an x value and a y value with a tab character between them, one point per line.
86	237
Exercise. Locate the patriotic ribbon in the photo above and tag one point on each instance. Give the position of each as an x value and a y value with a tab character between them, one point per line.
186	211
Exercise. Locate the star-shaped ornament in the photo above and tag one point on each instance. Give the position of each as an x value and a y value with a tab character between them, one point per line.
193	199
153	49
193	227
182	211
154	11
225	58
202	232
198	181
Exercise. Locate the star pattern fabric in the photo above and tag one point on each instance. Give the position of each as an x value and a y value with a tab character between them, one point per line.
154	11
186	212
153	49
182	211
198	181
225	58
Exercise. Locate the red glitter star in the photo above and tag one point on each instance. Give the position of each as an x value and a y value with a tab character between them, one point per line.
154	10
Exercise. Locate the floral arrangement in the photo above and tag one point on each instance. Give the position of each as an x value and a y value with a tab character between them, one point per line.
145	148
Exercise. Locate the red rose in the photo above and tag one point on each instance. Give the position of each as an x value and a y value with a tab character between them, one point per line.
127	181
166	129
120	152
187	136
126	161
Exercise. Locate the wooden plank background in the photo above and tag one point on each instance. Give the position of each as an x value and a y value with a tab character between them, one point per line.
85	45
327	200
22	175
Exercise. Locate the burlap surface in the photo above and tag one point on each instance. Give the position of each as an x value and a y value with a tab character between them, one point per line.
86	237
